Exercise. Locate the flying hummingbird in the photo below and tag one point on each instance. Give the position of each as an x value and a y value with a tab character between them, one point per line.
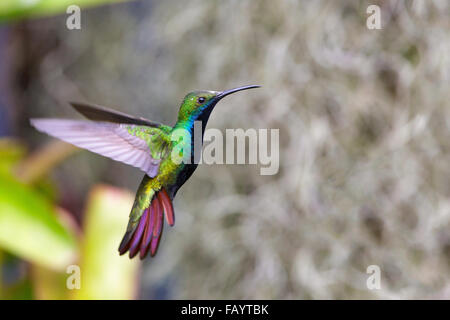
148	146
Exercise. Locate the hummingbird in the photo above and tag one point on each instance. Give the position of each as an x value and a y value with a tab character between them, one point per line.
147	145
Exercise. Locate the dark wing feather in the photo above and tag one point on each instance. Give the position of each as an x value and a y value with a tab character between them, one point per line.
101	113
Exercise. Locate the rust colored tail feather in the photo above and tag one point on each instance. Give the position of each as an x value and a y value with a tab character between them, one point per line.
147	235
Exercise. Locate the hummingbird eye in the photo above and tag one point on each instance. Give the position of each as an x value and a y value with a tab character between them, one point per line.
201	100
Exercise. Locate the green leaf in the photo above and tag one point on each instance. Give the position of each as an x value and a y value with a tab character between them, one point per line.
30	229
105	274
13	9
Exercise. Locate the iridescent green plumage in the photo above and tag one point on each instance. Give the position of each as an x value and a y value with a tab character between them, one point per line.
147	145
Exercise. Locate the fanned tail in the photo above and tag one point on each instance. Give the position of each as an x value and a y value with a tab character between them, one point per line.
145	236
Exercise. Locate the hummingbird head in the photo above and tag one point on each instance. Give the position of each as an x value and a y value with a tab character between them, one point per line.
197	105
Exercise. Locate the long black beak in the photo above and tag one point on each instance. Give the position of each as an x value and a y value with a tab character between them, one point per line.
227	92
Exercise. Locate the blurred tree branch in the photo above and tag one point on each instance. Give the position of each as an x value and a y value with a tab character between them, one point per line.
43	160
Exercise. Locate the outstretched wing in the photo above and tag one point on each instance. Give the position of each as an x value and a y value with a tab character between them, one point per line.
140	146
101	113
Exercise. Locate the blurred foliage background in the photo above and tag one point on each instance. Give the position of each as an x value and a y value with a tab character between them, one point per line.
364	124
